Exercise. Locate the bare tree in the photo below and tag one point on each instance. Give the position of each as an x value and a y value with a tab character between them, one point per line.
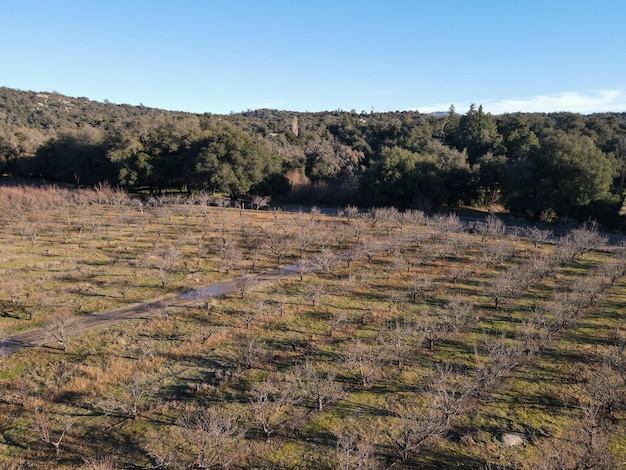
252	352
434	330
165	260
537	235
459	313
585	447
134	393
415	425
53	433
259	202
363	361
58	329
350	212
212	434
325	261
356	444
502	286
317	386
414	217
491	228
337	318
420	288
253	311
277	246
245	281
502	356
314	292
448	224
493	254
398	341
231	256
582	240
271	403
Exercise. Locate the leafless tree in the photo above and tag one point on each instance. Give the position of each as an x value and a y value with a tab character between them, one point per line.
252	352
370	248
58	329
165	260
459	313
212	434
555	315
337	318
314	292
317	386
356	444
537	235
501	357
491	228
502	286
448	224
582	240
304	237
277	246
259	202
385	217
253	311
585	447
325	261
364	361
231	257
53	433
495	253
245	281
135	391
398	341
414	217
434	330
271	401
415	425
458	274
420	288
588	290
350	212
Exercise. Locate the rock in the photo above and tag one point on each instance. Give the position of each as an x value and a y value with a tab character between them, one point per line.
513	439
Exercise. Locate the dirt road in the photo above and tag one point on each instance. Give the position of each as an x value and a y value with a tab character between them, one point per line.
80	325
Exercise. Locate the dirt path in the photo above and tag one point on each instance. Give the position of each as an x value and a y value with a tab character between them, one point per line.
80	325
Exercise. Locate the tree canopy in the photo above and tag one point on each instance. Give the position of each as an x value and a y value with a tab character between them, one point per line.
543	165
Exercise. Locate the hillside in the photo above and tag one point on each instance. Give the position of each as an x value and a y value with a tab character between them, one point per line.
544	166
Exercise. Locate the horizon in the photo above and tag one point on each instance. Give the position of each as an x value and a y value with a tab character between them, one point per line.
405	56
362	112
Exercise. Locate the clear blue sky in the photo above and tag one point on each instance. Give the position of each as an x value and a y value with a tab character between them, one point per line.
314	55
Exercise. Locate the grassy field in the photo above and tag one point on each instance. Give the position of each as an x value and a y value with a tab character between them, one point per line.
416	342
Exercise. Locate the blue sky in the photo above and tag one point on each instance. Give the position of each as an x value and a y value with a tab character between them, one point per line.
233	55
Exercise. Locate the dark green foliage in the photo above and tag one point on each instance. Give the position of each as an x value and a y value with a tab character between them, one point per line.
232	162
78	157
543	165
568	176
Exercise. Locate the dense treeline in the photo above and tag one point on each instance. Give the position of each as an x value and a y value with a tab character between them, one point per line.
546	166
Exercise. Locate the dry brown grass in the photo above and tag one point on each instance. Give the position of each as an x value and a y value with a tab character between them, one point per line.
83	252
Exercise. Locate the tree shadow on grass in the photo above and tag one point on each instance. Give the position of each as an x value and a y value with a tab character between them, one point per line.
15	310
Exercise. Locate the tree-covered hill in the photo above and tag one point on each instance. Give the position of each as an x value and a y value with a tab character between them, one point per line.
546	166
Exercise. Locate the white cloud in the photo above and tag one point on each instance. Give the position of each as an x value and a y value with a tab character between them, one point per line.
576	102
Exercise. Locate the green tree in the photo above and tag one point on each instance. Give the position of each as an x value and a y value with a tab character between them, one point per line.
566	176
78	157
478	134
401	176
231	161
